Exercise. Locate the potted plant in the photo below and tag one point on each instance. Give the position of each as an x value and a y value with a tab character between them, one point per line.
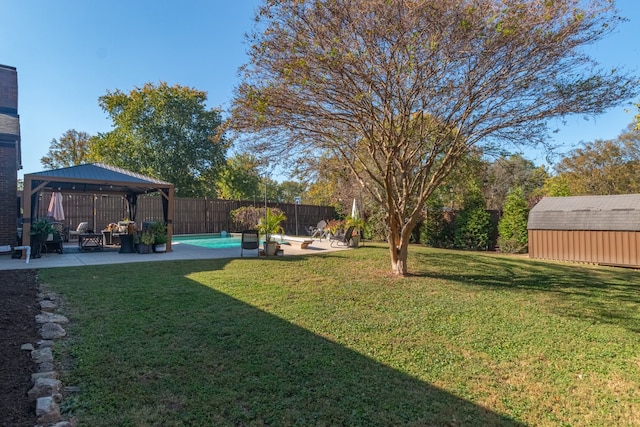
146	241
359	226
40	230
160	232
269	226
334	226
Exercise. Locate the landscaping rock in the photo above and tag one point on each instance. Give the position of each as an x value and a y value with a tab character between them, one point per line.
51	317
52	331
48	374
48	306
42	355
44	387
47	410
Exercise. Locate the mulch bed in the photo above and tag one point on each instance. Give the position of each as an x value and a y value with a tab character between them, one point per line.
18	308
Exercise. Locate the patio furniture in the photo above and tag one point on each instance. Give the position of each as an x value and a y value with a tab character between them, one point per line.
343	238
319	230
249	241
90	241
82	228
111	237
126	244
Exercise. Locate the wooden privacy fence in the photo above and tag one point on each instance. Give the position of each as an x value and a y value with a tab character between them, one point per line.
191	216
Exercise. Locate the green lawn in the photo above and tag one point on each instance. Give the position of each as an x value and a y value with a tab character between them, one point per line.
469	339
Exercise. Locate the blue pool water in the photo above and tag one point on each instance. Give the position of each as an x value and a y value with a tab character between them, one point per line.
213	241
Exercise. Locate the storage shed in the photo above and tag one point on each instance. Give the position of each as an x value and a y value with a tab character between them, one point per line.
594	229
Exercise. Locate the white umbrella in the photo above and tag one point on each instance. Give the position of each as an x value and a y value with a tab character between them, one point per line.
354	210
55	207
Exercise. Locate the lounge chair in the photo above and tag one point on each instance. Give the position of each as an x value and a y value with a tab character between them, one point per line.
83	227
319	232
342	238
250	241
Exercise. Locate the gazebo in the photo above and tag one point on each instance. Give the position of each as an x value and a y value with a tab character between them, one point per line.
95	178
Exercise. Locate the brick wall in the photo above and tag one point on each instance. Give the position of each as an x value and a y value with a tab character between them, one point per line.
8	191
9	154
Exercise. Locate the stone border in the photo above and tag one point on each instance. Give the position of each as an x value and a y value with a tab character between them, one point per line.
46	390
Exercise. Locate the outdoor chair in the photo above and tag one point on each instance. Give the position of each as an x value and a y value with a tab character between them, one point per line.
342	238
319	232
83	227
250	241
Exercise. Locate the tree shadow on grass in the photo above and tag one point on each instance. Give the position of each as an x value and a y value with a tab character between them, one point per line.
194	355
603	294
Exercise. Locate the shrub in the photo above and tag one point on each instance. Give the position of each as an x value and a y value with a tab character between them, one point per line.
473	223
247	217
512	228
437	230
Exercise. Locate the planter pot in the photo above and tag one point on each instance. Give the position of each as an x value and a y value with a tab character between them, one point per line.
144	249
160	247
37	240
355	241
270	248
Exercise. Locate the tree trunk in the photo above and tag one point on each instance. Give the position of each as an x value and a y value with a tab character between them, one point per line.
398	249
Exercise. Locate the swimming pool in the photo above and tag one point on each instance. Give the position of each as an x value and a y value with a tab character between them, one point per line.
212	241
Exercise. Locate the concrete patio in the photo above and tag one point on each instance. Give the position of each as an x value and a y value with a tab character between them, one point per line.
72	257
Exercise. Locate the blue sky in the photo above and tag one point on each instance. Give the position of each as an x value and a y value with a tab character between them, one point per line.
68	53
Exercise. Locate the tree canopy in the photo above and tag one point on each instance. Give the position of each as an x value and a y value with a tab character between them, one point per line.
507	173
167	132
602	167
240	180
71	149
401	90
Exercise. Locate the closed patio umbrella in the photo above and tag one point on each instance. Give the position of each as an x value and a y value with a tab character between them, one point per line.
354	210
55	207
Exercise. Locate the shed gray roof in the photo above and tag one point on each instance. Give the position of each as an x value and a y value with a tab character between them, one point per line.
612	213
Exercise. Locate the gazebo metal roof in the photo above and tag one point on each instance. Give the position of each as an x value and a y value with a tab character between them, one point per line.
96	178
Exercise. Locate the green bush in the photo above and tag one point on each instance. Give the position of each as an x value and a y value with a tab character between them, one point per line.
473	223
437	229
512	228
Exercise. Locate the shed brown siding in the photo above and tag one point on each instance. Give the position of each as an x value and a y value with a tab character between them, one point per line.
599	247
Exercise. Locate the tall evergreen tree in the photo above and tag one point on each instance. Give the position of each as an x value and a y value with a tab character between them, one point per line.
473	223
512	228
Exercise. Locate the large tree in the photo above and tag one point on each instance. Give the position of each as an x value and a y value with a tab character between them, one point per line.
506	173
71	149
167	132
240	179
603	167
401	90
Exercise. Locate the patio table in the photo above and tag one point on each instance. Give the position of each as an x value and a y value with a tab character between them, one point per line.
90	241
